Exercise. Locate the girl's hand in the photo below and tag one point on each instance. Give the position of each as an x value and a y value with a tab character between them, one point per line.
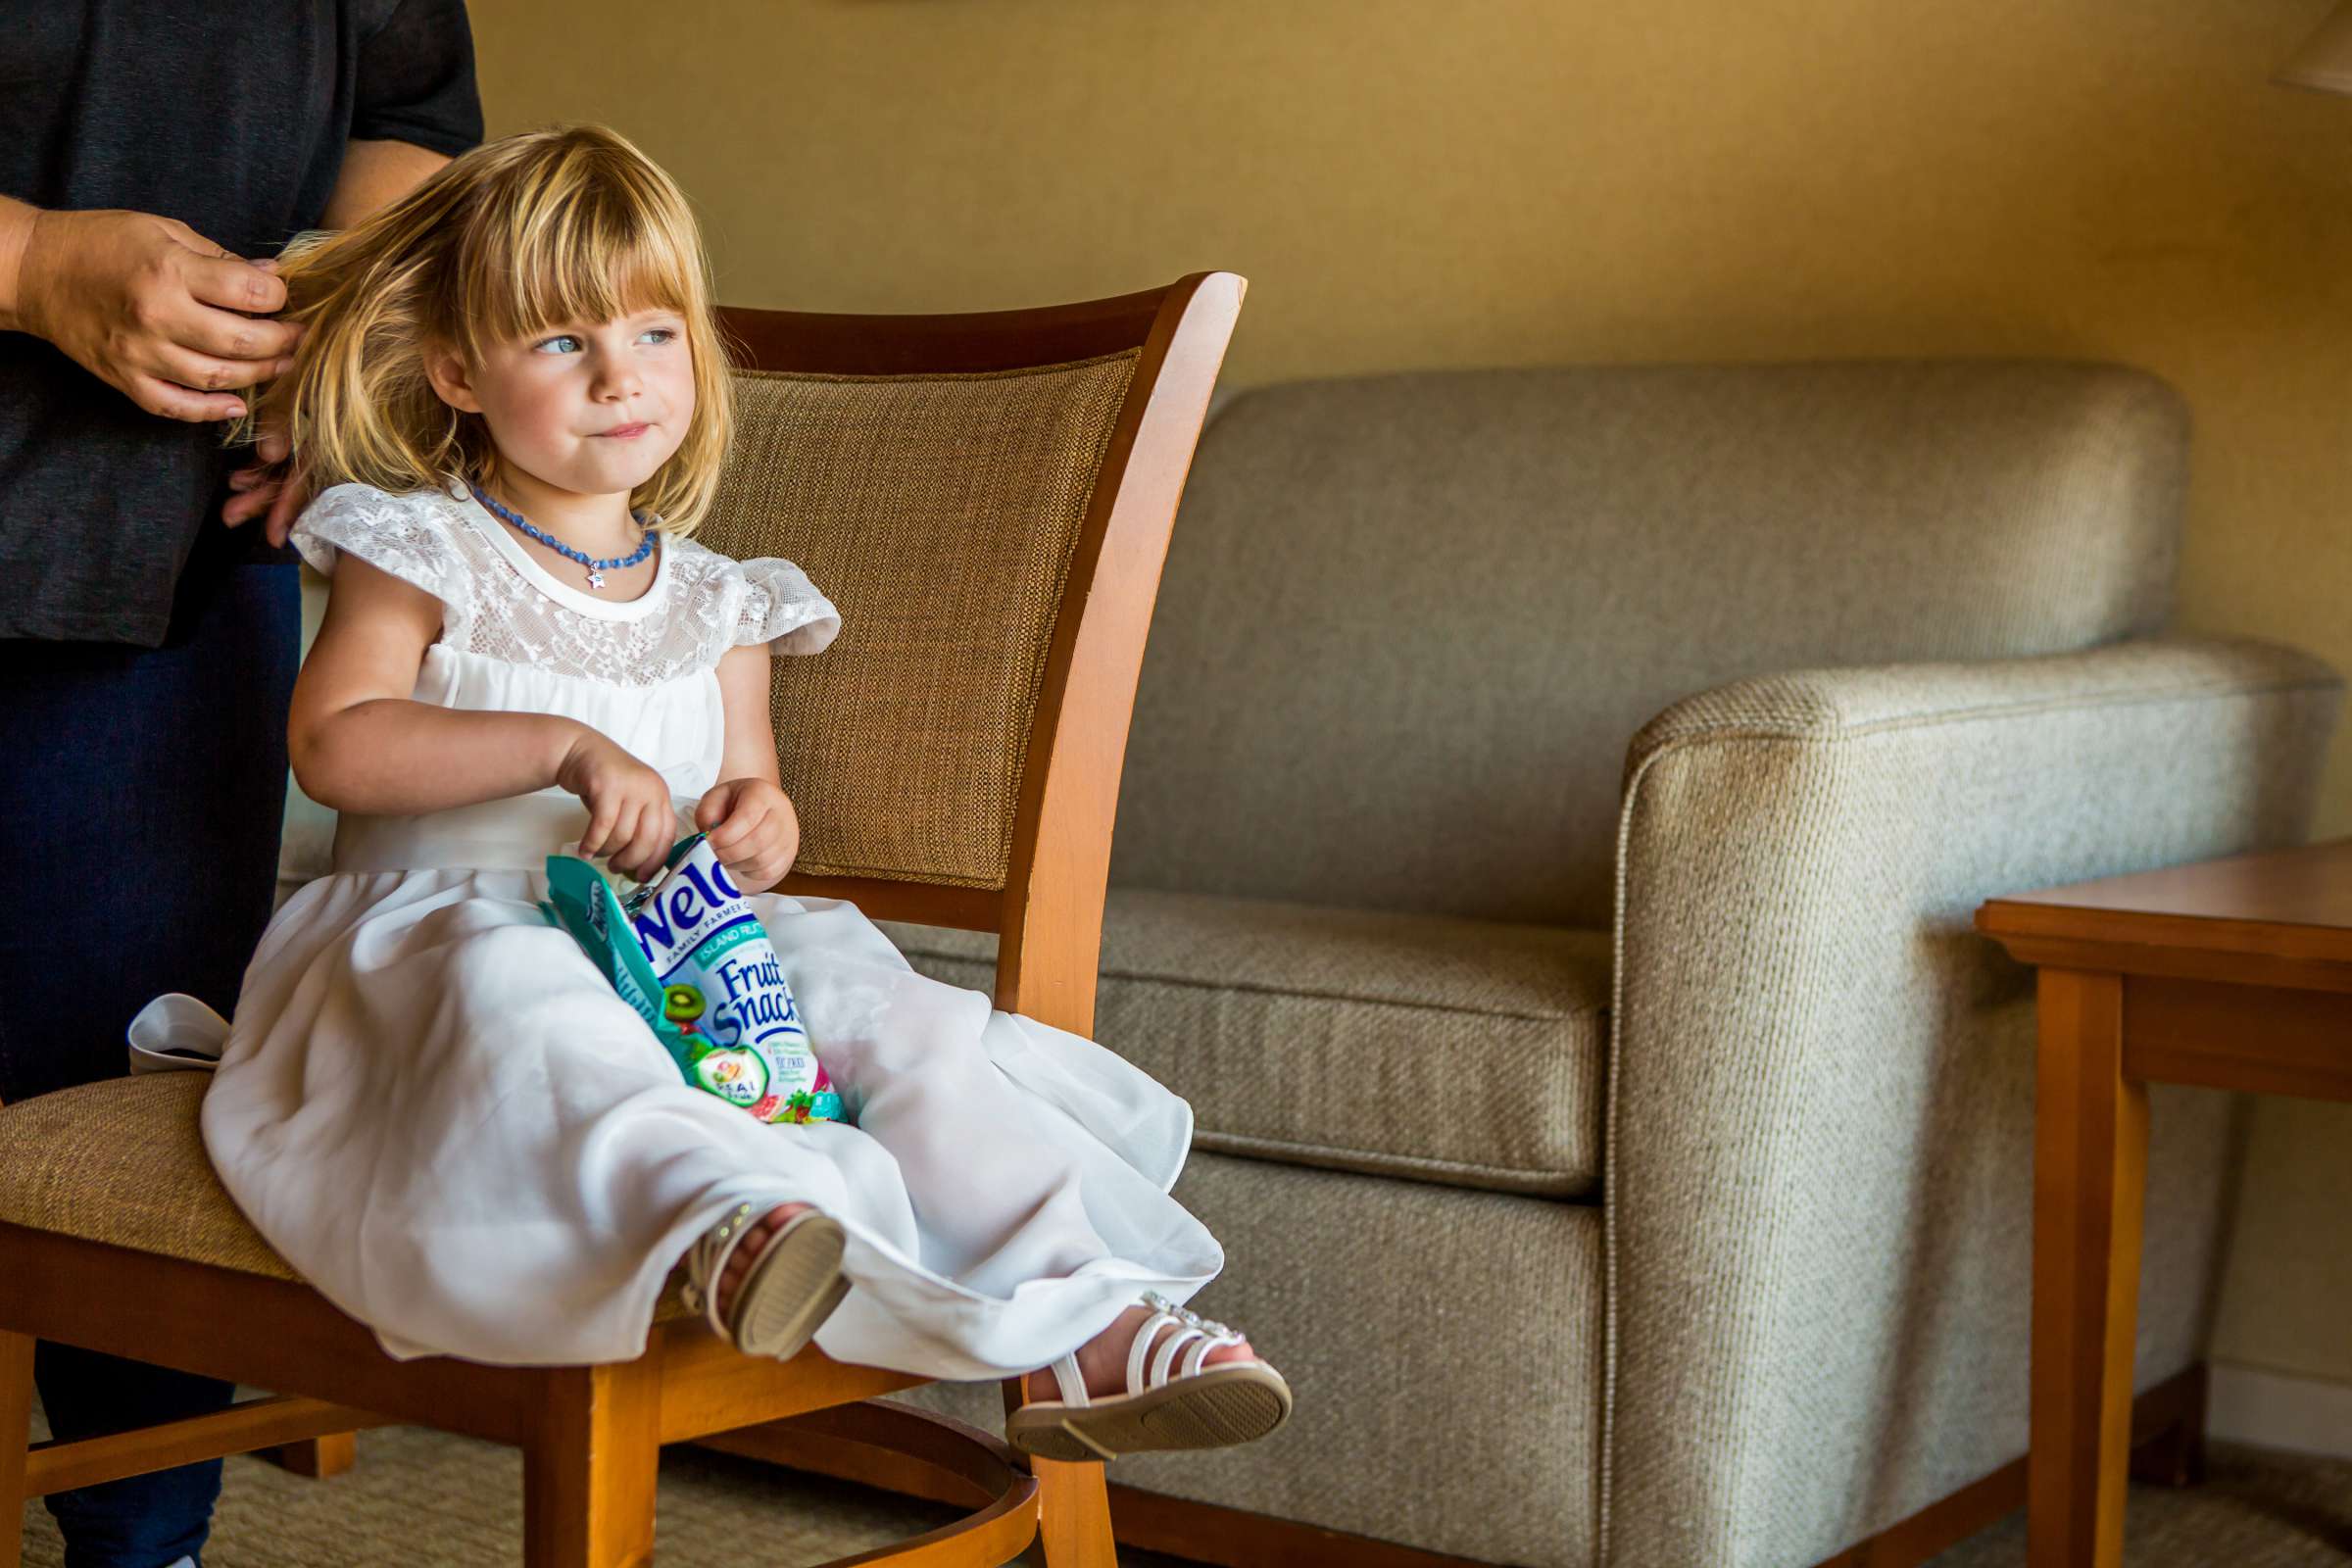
753	827
630	818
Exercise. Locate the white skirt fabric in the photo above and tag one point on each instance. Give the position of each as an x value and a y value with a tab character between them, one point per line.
438	1111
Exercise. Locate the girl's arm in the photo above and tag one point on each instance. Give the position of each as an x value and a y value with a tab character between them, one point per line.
749	819
359	741
751	743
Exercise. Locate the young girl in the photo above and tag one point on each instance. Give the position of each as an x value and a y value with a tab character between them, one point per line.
430	1102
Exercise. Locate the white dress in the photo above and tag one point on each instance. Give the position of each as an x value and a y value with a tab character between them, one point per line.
441	1113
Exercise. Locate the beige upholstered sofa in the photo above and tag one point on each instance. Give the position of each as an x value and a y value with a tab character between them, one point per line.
1555	813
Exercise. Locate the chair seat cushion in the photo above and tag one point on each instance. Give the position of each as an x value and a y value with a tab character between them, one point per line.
1444	1049
122	1162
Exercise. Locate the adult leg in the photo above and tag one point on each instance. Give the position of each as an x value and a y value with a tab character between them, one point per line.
152	781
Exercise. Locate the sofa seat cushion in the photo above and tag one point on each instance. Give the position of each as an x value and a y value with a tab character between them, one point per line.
122	1162
1444	1049
1488	1306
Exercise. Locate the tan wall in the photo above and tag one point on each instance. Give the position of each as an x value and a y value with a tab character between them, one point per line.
1497	181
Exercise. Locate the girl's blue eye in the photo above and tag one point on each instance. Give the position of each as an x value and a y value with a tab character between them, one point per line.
561	337
659	334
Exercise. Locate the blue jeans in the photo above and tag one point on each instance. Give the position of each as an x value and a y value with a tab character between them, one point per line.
160	776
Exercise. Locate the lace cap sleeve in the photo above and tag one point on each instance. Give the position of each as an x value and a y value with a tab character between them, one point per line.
778	605
399	534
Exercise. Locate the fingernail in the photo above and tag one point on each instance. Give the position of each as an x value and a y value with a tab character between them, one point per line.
237	411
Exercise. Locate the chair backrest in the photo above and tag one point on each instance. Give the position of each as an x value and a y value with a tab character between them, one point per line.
1410	621
987	498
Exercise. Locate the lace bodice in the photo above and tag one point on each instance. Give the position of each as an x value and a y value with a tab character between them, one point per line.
498	602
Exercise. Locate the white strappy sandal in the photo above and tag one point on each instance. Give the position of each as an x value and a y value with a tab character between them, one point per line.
786	1294
1200	1407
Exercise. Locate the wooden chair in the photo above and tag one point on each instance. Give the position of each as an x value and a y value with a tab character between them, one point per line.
988	498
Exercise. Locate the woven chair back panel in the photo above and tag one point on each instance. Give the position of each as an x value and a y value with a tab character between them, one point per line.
939	514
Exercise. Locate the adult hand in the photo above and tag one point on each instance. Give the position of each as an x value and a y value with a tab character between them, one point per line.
271	486
151	308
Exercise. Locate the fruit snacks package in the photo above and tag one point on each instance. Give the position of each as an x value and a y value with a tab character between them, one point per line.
686	952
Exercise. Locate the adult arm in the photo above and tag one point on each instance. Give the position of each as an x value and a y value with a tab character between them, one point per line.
374	175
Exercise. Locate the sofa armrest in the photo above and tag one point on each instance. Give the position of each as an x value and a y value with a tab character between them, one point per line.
1819	1146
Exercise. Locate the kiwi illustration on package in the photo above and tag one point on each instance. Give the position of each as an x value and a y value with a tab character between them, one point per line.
687	952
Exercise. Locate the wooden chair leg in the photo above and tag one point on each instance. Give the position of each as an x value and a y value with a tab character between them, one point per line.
16	1436
318	1457
1073	1515
2090	1159
1073	1524
589	1468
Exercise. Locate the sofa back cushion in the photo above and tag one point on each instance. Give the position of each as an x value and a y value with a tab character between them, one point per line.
1409	623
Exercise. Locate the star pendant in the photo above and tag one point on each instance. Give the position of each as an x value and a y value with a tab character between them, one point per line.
595	579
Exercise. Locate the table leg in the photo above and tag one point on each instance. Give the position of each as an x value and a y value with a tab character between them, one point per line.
2090	1157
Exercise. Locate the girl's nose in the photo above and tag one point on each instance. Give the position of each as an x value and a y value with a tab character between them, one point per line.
616	379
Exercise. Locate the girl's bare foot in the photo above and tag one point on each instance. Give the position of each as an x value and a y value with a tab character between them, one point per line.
755	1242
1103	1359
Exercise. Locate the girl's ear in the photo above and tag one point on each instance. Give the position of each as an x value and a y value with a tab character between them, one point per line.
445	368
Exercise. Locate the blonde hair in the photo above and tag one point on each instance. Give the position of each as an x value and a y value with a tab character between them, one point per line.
514	238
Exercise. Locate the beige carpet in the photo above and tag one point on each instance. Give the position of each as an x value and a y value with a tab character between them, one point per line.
419	1498
2257	1509
424	1499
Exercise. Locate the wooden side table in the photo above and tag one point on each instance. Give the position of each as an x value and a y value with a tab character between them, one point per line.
2230	974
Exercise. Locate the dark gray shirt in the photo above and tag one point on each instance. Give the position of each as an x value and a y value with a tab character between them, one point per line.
230	116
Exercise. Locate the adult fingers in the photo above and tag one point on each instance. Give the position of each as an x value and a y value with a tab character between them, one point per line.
234	284
292	496
226	335
175	402
201	372
250	502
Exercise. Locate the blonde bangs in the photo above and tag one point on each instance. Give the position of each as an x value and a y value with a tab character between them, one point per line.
583	242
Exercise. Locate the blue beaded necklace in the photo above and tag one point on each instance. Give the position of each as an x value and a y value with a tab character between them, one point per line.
596	569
